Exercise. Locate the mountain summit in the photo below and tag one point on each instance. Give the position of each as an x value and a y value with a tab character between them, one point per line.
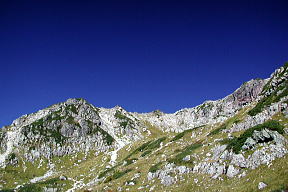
237	143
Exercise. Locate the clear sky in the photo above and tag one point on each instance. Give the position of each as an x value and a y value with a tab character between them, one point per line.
141	55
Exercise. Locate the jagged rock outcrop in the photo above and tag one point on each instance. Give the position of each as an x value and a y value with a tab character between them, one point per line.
66	128
210	112
273	99
263	136
164	174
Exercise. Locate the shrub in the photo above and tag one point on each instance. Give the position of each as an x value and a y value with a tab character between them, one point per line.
146	153
182	134
119	174
155	144
130	161
147	147
216	131
282	188
95	128
236	143
7	190
30	188
178	159
225	141
154	168
102	174
268	100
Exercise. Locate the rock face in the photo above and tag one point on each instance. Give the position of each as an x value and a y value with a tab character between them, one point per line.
209	112
263	136
232	171
66	128
271	101
164	174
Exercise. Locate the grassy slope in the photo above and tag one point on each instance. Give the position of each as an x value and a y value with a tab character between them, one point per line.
171	149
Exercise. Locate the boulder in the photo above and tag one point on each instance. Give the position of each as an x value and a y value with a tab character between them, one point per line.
249	143
232	171
63	178
239	160
262	185
167	180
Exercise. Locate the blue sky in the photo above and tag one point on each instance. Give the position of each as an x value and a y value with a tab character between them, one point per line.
141	55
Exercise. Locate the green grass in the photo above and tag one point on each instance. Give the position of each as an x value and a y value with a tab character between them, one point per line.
282	188
267	86
236	143
268	100
178	159
104	173
50	183
31	188
156	167
125	121
130	161
117	175
146	153
225	141
7	190
155	144
72	108
274	97
38	127
182	134
218	130
148	146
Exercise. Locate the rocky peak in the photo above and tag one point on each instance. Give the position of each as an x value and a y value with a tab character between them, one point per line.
277	80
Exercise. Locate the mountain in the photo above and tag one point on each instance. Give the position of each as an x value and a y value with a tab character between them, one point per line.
237	143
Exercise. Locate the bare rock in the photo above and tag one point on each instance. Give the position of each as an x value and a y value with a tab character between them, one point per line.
262	185
232	171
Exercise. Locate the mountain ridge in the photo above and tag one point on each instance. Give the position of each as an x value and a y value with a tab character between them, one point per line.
77	127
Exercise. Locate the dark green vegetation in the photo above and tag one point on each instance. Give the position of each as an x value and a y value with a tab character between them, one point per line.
72	108
41	127
130	161
94	128
218	130
38	127
225	125
156	167
38	187
125	121
206	106
30	188
178	159
236	143
273	97
146	153
147	147
182	134
72	121
225	141
283	188
268	100
117	175
102	174
267	86
7	190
